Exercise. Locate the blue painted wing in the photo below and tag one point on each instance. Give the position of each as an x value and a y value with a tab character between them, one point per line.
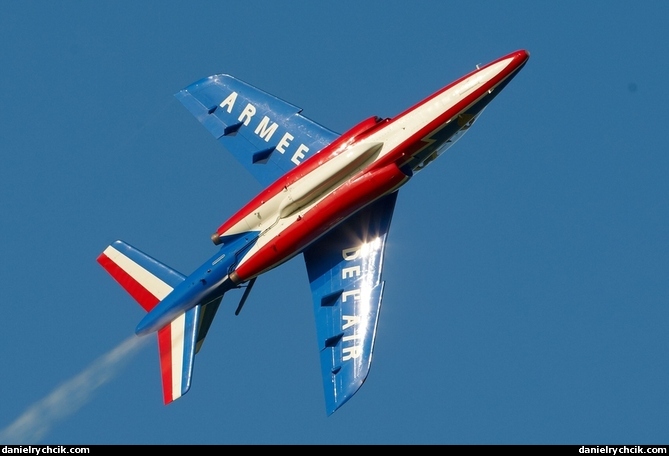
344	269
266	134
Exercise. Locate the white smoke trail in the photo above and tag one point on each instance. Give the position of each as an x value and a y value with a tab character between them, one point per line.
69	397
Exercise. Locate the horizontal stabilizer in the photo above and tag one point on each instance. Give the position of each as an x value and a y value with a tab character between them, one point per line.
145	278
149	281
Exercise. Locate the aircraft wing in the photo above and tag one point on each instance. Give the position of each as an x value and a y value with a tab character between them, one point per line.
267	135
344	269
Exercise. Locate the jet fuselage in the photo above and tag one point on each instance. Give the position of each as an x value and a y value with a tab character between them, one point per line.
371	160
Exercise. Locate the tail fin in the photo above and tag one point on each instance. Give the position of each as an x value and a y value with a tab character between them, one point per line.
149	282
176	346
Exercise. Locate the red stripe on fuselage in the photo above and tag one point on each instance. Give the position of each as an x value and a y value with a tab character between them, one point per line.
519	57
343	202
406	150
309	165
143	296
400	154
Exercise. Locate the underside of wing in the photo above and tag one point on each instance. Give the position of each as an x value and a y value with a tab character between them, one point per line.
344	269
207	315
267	135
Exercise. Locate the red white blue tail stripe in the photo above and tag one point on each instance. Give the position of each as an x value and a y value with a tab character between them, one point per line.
176	345
149	282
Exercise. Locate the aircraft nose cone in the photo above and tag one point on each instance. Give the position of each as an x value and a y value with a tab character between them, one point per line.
521	55
517	60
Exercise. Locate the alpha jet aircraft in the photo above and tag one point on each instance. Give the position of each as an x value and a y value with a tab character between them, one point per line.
329	197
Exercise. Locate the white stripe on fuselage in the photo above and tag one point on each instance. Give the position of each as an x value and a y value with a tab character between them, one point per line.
409	124
266	218
156	287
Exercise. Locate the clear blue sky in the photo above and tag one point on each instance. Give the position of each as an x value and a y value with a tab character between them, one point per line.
526	300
